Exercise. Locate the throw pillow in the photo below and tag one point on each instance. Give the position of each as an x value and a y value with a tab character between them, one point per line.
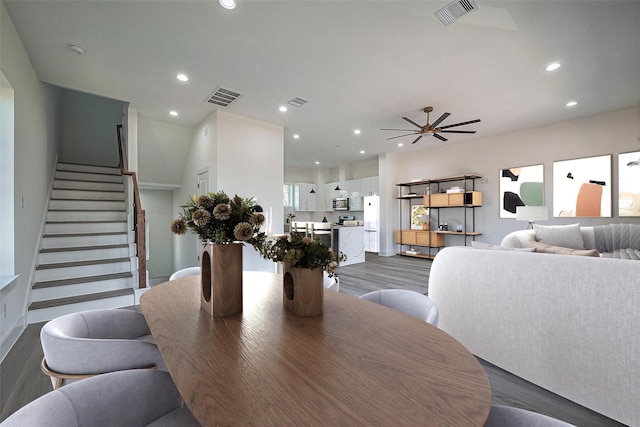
480	245
550	249
568	236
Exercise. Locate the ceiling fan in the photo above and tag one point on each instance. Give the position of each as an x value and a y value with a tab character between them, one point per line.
433	127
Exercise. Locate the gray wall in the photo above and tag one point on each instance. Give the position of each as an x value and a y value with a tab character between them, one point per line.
158	206
89	129
36	146
162	151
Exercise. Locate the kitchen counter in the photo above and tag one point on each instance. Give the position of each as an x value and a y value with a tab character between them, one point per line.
350	241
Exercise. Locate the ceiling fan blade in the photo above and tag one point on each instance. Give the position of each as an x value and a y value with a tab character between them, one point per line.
400	136
460	124
416	140
440	119
412	122
441	138
402	130
458	131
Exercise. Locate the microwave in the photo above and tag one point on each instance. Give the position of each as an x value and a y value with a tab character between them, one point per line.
341	204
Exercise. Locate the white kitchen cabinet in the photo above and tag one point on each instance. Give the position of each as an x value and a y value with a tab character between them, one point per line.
369	186
329	195
302	199
353	188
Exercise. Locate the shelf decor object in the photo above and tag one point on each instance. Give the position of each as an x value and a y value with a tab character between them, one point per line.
418	212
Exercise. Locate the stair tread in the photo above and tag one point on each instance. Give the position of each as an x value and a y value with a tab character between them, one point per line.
82	248
65	199
80	280
78	299
81	263
87	210
113	171
106	233
106	221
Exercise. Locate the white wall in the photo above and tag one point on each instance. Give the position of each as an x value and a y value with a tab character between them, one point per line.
244	157
612	133
37	144
158	205
89	128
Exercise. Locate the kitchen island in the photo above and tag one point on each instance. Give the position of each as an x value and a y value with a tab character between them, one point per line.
350	241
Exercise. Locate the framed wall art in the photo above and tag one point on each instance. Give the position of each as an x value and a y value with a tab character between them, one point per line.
629	184
582	187
521	186
419	214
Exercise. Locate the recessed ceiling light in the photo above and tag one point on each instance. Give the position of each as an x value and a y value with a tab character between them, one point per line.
296	136
228	4
361	151
282	108
571	104
182	77
317	162
552	67
400	144
173	113
356	131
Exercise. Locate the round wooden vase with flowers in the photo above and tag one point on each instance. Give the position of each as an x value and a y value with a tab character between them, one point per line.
304	260
223	224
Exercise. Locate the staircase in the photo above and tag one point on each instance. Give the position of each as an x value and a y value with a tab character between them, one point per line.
87	256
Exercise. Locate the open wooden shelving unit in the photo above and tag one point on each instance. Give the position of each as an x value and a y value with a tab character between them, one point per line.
434	200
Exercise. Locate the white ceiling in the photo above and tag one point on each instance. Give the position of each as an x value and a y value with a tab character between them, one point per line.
360	64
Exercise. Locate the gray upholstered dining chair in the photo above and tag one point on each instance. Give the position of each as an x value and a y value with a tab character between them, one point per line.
409	302
87	343
507	416
185	272
126	398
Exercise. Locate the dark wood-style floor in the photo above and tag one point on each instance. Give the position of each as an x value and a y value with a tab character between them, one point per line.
21	380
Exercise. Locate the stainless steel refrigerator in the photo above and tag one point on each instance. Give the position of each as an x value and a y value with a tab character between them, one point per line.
372	223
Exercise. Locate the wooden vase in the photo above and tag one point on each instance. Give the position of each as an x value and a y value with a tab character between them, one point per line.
221	279
303	292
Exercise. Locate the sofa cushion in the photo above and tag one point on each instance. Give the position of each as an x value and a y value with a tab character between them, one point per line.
551	249
568	236
480	245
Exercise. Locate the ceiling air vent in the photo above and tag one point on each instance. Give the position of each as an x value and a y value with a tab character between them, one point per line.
454	10
223	96
297	102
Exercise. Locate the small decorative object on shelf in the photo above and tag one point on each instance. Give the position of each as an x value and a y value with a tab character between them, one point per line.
304	260
223	224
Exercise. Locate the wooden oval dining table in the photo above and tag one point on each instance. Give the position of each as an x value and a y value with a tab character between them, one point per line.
358	363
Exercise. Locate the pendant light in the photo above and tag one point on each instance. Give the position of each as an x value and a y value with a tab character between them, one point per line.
313	191
338	166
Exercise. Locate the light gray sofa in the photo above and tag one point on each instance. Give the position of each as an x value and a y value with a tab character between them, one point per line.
611	241
570	324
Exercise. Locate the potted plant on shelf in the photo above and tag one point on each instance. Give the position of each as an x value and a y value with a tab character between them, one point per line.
304	259
223	224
